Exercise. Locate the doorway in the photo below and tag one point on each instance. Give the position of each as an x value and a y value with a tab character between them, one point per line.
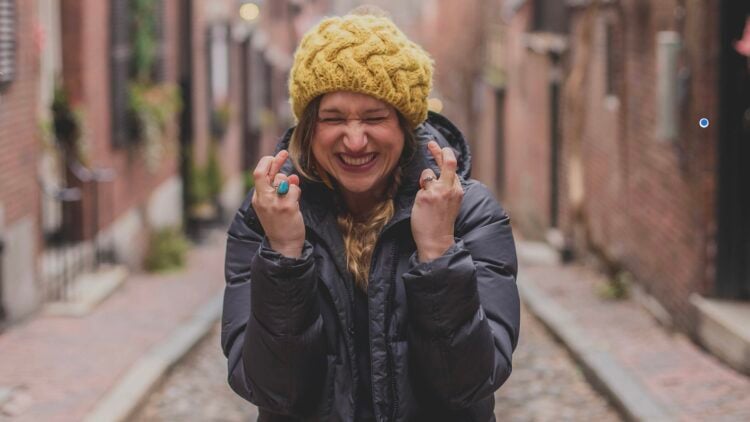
186	115
500	143
733	237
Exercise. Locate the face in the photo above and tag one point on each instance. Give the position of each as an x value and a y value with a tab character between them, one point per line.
358	141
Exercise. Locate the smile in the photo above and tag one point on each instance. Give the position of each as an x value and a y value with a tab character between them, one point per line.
358	161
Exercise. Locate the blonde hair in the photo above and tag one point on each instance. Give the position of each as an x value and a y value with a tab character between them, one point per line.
359	234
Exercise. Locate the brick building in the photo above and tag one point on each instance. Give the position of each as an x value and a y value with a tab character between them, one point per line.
19	147
592	114
102	125
644	197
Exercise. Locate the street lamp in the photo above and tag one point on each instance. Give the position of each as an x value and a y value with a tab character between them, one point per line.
434	104
249	12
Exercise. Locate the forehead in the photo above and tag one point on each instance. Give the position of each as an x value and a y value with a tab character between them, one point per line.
351	102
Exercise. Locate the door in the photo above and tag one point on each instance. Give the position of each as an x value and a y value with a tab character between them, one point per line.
186	90
733	237
250	133
500	143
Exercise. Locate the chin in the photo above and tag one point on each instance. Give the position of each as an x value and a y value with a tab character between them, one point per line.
357	187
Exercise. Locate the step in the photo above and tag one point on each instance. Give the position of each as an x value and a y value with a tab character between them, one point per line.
87	291
724	329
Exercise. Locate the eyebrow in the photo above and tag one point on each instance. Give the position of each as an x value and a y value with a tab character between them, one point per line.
330	110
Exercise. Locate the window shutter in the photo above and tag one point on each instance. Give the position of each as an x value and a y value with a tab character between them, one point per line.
7	42
550	16
159	73
120	70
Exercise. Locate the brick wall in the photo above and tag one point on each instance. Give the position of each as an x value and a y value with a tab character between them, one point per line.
649	202
525	169
19	137
527	130
20	195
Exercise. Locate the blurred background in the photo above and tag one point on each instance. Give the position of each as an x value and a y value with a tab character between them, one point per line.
615	132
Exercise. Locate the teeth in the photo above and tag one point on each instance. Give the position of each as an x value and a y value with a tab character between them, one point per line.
357	161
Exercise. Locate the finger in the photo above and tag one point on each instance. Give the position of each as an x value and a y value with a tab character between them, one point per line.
294	191
424	178
437	154
278	161
260	174
448	169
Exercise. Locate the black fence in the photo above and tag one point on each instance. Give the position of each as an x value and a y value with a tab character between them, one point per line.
68	253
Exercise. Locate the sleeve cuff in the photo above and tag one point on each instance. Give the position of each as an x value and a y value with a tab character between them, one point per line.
283	266
442	293
283	291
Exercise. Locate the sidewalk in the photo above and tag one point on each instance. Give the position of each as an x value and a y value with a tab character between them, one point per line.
61	368
647	372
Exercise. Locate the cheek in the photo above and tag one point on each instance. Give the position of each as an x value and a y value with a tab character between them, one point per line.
320	152
394	144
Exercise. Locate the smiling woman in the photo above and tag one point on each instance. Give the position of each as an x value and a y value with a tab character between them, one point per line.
358	140
368	278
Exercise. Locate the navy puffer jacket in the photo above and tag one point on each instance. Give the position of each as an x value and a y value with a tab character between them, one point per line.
441	332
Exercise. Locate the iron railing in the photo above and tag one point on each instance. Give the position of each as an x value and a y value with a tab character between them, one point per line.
68	253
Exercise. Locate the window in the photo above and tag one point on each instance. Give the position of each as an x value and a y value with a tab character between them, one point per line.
219	63
122	64
217	54
550	16
159	73
610	59
120	71
7	42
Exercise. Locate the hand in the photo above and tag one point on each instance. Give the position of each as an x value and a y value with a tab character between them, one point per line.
437	205
279	215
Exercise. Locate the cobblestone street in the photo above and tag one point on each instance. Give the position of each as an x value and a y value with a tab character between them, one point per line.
197	390
546	385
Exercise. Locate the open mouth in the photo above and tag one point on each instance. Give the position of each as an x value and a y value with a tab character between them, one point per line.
357	161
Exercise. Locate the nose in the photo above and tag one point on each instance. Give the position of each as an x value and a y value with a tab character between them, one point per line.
355	136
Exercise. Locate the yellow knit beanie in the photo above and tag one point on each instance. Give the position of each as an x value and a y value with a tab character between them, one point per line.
366	54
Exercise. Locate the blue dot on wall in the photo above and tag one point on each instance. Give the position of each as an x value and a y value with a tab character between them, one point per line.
703	122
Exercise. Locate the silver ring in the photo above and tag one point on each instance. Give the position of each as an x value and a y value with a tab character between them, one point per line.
427	180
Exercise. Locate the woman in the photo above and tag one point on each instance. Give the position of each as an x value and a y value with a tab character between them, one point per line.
368	278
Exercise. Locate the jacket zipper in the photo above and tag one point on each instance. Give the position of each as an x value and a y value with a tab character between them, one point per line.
390	363
352	353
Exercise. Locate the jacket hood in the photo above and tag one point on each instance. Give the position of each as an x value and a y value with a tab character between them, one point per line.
437	127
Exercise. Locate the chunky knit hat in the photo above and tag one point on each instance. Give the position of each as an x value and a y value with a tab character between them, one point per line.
366	54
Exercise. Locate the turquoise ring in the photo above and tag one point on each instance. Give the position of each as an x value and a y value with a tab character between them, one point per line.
283	188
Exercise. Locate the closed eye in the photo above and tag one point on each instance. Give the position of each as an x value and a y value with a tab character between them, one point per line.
332	120
374	119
